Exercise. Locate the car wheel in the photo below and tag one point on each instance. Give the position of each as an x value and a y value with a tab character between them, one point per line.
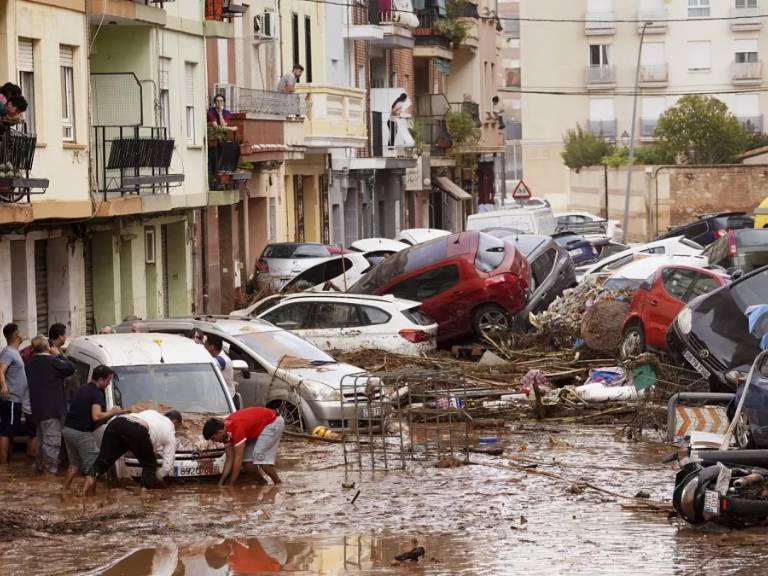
633	342
490	320
743	433
290	413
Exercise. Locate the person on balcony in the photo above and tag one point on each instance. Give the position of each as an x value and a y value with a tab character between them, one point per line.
6	91
287	84
218	115
13	111
399	115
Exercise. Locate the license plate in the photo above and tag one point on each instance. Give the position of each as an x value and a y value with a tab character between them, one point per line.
576	252
185	471
698	366
372	412
711	503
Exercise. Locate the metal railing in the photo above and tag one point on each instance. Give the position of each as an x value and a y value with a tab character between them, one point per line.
600	22
470	108
512	27
654	72
129	159
752	123
428	18
267	103
513	130
223	10
648	127
17	153
433	131
603	128
600	75
747	71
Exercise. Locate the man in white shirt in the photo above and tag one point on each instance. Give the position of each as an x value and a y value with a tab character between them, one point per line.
147	435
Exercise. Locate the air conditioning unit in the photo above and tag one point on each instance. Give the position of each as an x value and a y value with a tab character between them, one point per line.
229	91
263	26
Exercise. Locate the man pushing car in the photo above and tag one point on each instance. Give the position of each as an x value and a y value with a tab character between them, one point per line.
252	436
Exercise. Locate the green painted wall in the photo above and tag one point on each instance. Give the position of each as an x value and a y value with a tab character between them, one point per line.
103	255
178	295
126	275
151	281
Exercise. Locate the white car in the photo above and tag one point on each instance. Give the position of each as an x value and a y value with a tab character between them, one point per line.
583	223
413	236
633	274
336	273
667	247
349	322
162	371
378	245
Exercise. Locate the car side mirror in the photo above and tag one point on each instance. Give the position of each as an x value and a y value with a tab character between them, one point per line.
242	366
735	272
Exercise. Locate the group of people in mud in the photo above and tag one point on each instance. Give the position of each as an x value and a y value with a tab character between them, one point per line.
34	407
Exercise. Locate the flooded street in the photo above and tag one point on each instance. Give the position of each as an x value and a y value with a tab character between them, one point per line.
501	515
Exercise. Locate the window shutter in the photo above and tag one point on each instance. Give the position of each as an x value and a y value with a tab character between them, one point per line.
26	55
66	56
189	84
165	67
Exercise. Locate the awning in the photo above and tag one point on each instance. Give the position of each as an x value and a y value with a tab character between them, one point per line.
446	185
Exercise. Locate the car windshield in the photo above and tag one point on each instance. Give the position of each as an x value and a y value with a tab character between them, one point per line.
490	253
295	251
276	345
182	387
401	263
751	291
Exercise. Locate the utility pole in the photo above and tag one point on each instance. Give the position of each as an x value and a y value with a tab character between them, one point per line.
632	134
605	183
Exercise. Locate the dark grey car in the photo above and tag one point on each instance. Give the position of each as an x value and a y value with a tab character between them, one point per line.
552	269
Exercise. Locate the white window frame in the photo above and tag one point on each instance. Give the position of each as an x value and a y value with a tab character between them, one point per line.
27	83
746	4
604	54
67	93
701	43
746	51
164	102
698	8
189	104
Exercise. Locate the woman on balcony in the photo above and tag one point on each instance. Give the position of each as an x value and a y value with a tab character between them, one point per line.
218	115
398	123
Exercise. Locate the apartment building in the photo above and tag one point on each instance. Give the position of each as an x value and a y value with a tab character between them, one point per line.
509	92
688	46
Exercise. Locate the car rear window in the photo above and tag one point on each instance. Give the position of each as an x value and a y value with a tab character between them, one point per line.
738	222
418	317
752	238
401	263
295	251
490	253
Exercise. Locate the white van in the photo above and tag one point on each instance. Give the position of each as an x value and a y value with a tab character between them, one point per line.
159	372
526	219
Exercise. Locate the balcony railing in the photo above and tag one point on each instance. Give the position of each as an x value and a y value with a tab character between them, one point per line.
472	109
648	127
654	73
600	75
604	128
268	103
656	18
513	130
598	23
512	28
746	18
223	10
746	72
429	30
752	123
131	159
335	115
17	153
433	132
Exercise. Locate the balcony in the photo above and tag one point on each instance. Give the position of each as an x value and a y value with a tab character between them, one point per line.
599	23
397	25
657	19
654	75
223	10
261	103
335	116
511	28
17	153
748	19
600	77
747	72
603	128
429	123
648	127
127	12
432	40
752	123
513	130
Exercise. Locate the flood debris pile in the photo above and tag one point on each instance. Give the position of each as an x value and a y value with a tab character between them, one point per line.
17	523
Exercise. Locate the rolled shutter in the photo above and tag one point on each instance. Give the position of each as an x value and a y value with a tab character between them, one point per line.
26	55
189	84
66	56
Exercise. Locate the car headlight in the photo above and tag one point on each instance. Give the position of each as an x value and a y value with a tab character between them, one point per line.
684	321
735	377
322	392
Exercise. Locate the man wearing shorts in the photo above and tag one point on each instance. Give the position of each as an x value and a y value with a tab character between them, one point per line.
87	411
13	390
252	436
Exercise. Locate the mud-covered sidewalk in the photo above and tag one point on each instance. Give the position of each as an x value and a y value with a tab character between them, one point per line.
560	500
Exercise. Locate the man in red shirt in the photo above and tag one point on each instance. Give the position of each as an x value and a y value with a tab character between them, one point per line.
252	436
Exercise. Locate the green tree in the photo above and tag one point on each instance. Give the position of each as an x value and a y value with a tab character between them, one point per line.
584	149
701	130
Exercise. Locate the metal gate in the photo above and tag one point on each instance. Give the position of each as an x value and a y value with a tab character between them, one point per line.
164	249
41	286
298	203
90	321
325	234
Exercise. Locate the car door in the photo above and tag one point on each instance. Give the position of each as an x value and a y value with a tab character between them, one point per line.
337	326
665	301
542	267
291	315
252	384
438	291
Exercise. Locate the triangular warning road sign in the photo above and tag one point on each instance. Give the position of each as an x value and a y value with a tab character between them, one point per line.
521	191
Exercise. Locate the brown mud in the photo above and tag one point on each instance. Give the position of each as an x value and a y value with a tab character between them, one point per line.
559	500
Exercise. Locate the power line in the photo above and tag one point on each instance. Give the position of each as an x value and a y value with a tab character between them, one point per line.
754	90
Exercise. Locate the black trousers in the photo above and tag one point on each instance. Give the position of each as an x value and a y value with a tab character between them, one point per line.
392	125
120	436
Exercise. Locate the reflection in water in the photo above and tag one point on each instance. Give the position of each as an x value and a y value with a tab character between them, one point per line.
262	555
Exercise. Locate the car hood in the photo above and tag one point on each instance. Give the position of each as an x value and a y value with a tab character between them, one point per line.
189	437
329	374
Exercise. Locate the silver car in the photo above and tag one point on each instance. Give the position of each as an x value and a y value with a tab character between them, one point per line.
279	263
280	370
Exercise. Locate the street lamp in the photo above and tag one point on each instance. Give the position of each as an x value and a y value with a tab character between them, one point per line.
631	158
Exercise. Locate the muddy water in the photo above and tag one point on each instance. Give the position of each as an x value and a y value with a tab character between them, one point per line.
488	518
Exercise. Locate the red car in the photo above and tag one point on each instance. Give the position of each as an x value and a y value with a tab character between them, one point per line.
466	282
657	302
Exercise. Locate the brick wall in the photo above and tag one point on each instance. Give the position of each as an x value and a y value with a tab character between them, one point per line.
401	63
361	51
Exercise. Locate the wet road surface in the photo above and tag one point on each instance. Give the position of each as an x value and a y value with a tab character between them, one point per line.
491	518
